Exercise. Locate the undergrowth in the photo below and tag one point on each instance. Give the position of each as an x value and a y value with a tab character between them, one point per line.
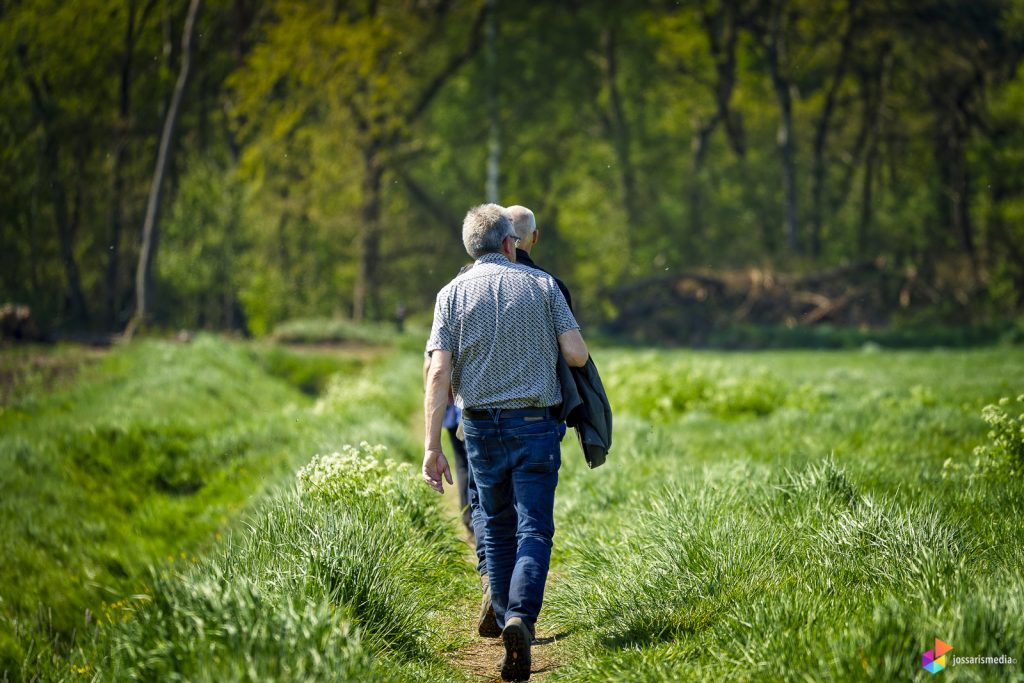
1005	447
151	454
781	516
326	582
817	540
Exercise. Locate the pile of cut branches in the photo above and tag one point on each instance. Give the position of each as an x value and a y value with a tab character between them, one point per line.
687	307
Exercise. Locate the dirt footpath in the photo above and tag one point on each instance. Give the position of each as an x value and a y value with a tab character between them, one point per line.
480	657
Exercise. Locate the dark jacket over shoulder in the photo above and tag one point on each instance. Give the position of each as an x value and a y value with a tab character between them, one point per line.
524	258
585	407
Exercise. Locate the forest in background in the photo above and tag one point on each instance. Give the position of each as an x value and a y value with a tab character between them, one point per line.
674	154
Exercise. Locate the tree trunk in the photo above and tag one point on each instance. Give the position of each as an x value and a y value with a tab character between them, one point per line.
774	44
619	130
112	294
867	200
33	241
722	29
66	230
960	197
285	260
150	231
364	294
822	128
114	247
493	103
872	84
698	148
50	162
951	136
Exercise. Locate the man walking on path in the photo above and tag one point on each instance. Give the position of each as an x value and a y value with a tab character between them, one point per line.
525	226
498	329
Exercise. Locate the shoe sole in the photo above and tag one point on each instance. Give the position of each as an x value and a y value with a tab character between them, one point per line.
516	666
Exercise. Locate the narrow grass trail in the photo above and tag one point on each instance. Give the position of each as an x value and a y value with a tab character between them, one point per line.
479	657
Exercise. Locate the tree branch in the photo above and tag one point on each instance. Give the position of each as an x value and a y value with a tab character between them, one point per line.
440	212
453	65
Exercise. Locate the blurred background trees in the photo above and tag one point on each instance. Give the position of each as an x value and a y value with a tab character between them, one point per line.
327	151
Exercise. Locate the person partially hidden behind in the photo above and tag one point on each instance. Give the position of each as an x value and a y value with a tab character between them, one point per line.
525	225
497	332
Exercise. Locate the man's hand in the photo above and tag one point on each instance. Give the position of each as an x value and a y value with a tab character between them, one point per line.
439	372
435	465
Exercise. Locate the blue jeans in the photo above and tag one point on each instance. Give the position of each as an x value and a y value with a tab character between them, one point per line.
477	520
472	497
514	462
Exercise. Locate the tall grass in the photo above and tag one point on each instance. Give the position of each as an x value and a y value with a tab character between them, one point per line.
817	541
778	516
149	455
324	583
341	331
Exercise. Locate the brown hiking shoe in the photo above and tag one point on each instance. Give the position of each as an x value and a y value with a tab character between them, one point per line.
516	638
487	623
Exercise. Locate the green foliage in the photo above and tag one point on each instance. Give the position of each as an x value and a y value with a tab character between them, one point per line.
831	337
820	539
62	126
315	587
29	371
351	472
151	452
662	392
332	331
325	153
321	167
215	629
201	241
728	580
716	549
1005	448
308	372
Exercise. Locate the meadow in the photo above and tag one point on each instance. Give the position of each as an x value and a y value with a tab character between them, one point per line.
233	511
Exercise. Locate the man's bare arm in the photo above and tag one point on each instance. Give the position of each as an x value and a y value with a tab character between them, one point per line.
574	349
435	465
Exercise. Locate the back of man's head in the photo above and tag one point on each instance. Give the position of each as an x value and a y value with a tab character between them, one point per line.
523	222
484	228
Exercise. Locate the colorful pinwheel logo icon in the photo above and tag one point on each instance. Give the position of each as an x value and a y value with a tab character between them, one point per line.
934	661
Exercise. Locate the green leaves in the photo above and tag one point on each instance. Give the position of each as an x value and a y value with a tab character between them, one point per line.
1005	447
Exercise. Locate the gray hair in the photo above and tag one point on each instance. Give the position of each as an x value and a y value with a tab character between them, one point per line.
523	221
484	228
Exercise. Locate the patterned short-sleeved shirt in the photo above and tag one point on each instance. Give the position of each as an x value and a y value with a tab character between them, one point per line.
501	321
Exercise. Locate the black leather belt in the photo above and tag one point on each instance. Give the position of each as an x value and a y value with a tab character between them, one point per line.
485	413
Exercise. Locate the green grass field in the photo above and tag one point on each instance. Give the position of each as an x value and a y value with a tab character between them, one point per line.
762	516
791	516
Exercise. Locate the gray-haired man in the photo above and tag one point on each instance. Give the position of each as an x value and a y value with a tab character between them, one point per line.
525	226
498	329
